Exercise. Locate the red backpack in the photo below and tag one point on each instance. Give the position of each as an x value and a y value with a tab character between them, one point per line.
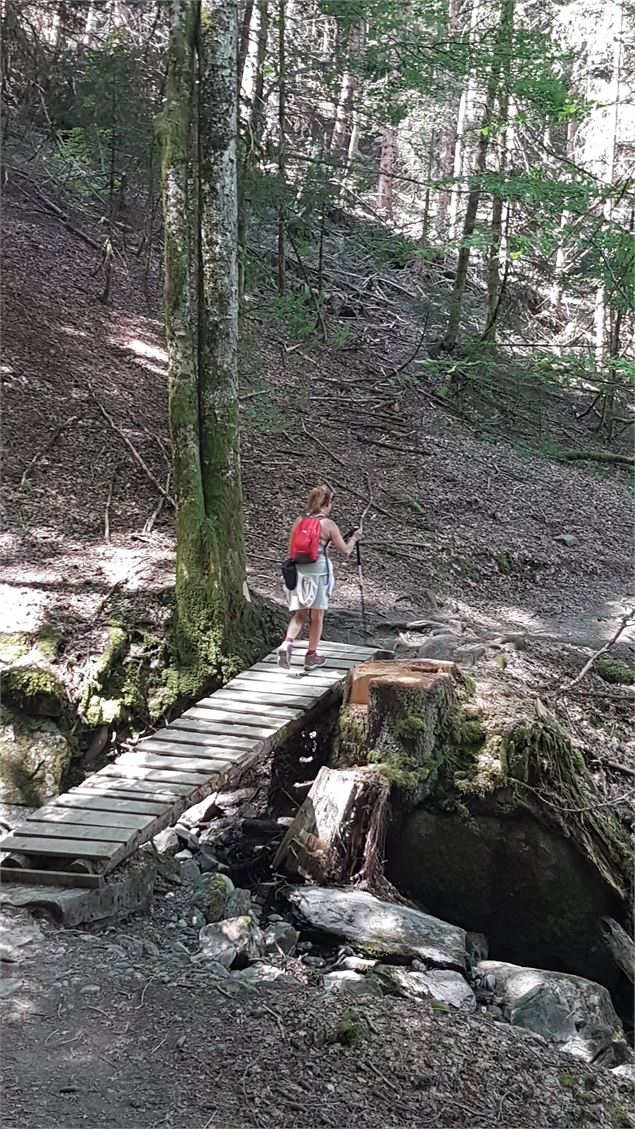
305	540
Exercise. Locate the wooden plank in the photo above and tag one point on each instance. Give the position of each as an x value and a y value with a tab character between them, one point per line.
209	755
51	846
204	769
135	770
85	831
249	699
338	650
111	819
35	877
275	676
97	802
196	732
282	690
222	707
297	660
203	721
170	785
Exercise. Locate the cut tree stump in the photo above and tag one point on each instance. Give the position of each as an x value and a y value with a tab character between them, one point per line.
338	834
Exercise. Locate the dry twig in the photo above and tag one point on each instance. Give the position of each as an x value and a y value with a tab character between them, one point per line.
45	446
133	450
623	624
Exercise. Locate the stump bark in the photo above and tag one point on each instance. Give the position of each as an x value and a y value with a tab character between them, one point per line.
338	834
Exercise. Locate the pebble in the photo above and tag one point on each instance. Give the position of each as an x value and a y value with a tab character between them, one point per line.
313	962
90	990
179	947
182	923
150	949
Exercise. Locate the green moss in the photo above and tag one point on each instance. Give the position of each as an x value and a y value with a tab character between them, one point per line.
32	690
621	1116
116	648
48	641
350	1030
565	1080
14	645
614	671
413	505
504	563
34	760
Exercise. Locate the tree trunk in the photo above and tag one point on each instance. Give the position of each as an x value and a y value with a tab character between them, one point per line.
218	312
560	261
347	93
338	834
496	225
501	49
243	43
386	168
450	130
252	141
463	115
282	79
201	337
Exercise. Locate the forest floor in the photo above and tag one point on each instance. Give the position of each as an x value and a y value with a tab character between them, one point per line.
463	517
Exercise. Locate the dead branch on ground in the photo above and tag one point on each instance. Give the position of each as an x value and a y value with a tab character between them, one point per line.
623	624
46	446
133	450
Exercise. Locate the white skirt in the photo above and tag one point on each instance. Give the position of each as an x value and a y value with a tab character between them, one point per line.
312	590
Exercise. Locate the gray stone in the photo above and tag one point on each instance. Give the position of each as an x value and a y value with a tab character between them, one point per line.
238	903
380	927
235	937
470	654
150	949
574	1013
90	990
190	874
450	987
15	933
354	982
357	964
313	962
568	539
399	981
166	843
187	837
439	646
264	975
201	812
625	1073
197	919
183	854
279	937
125	891
212	895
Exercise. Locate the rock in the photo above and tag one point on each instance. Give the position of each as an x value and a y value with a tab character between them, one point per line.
450	987
207	861
279	937
166	843
201	813
574	1013
625	1073
568	539
358	964
150	949
34	759
439	646
477	947
264	975
187	837
15	933
313	962
183	854
380	927
399	981
353	982
470	653
190	874
198	919
239	903
90	990
212	894
231	939
33	690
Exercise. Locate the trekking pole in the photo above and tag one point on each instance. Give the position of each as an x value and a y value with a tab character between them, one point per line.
360	581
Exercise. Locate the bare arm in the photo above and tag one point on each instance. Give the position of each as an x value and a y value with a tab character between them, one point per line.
338	542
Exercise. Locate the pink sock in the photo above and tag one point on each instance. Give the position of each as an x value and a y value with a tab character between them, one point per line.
310	652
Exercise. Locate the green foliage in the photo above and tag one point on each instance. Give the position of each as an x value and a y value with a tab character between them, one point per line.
350	1030
614	671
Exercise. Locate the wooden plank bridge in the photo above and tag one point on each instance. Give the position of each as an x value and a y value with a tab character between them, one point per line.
78	838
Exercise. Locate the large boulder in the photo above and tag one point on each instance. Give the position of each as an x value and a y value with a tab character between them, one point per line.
574	1013
380	928
34	760
439	984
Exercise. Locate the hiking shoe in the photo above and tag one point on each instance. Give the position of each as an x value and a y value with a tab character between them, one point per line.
311	662
285	650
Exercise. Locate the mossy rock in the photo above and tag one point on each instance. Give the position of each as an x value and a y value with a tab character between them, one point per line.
614	671
16	645
34	760
33	690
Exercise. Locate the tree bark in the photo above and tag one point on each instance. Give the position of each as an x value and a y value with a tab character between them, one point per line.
201	337
463	115
501	46
386	168
282	79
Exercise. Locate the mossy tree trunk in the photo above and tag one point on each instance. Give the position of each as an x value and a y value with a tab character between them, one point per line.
201	312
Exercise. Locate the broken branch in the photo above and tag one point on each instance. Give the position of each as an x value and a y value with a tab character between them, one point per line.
623	624
133	450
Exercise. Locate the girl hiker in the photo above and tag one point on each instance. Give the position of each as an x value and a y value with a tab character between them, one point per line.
309	544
